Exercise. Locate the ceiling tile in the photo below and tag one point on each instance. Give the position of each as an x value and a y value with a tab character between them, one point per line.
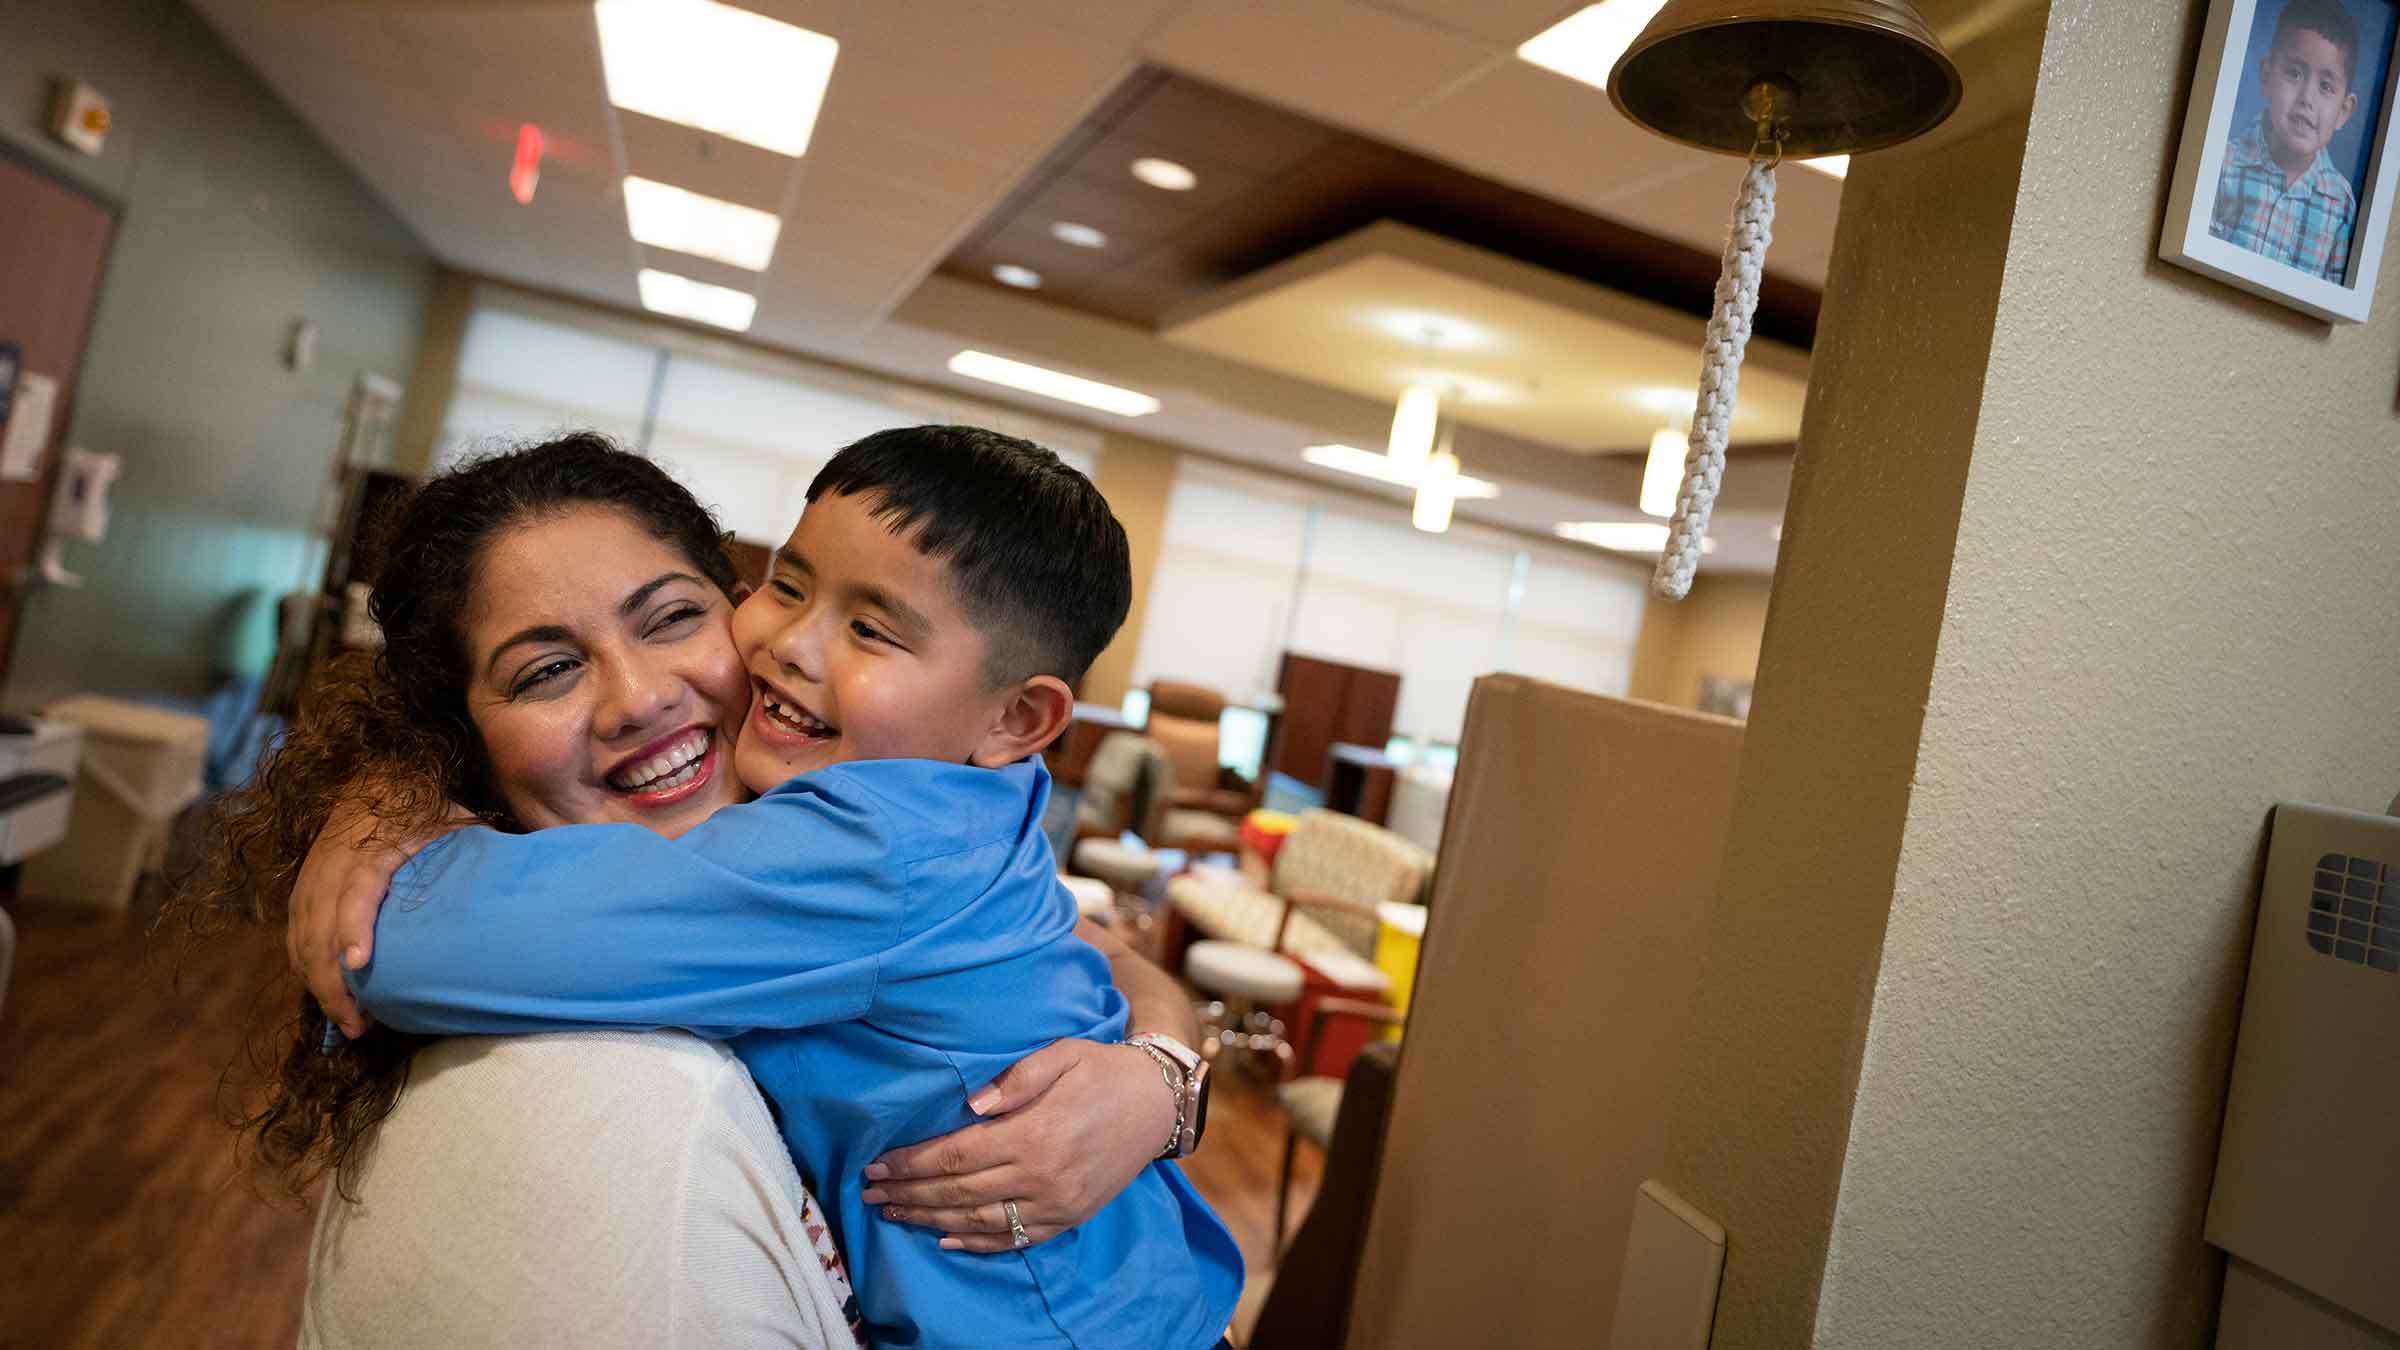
1501	23
1350	63
699	162
1525	126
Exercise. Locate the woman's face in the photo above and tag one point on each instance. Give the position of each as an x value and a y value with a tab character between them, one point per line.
602	676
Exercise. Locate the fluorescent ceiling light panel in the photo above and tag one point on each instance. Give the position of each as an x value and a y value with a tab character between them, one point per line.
1165	174
1622	536
697	63
665	216
1381	468
723	306
1832	166
1052	384
1585	45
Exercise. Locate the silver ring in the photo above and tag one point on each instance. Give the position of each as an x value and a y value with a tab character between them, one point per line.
1017	1236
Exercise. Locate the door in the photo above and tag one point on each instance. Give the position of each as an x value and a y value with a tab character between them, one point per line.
54	242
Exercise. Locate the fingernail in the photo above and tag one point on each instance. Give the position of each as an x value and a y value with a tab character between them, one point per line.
354	956
873	1195
877	1172
983	1102
952	1245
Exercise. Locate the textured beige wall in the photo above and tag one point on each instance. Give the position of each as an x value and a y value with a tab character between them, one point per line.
1763	1116
1136	475
2172	604
1716	630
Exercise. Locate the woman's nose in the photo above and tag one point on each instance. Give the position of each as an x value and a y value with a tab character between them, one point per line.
636	698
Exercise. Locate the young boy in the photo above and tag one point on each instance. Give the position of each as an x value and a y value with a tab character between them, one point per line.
2279	194
882	932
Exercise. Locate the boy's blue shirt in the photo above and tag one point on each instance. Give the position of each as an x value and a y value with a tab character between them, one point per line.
877	940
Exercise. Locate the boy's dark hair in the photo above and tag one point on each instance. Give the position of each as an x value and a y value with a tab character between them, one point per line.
2328	19
1041	563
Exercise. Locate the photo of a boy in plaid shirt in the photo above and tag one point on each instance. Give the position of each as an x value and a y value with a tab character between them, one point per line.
2280	195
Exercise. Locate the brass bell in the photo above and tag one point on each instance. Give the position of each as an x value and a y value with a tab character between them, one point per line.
1824	77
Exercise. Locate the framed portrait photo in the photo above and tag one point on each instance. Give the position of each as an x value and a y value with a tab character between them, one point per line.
2283	186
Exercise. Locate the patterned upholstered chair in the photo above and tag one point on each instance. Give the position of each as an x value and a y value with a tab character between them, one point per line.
1331	878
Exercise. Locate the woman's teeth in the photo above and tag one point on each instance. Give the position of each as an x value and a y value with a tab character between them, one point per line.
670	768
796	720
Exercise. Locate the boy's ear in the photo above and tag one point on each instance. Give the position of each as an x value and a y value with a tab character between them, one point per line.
1038	710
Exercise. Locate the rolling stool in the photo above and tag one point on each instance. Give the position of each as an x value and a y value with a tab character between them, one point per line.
1128	869
1243	982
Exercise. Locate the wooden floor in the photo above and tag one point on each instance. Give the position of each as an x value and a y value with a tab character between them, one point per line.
122	1222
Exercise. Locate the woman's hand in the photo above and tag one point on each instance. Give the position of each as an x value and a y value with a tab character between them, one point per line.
1071	1125
330	926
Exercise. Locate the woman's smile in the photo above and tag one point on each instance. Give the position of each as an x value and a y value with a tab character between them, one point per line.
669	770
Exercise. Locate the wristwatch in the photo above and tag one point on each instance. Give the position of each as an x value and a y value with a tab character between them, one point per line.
1187	1074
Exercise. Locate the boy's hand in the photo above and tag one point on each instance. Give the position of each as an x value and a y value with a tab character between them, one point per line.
1067	1127
330	927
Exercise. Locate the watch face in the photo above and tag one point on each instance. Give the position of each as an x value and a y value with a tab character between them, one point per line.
1200	1104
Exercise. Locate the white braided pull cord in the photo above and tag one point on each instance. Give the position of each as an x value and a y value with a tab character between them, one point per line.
1720	377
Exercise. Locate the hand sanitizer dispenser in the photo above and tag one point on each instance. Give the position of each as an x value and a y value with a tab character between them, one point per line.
2307	1195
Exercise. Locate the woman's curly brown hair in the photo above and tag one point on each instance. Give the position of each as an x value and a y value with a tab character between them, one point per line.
391	735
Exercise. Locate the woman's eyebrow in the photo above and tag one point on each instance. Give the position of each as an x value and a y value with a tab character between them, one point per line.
540	632
641	594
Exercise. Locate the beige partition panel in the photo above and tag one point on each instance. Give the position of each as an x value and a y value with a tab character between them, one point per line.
1570	906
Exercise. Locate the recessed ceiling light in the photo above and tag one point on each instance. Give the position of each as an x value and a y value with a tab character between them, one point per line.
1438	331
1079	234
1052	384
1368	464
1166	174
1622	536
1585	45
700	64
667	293
1832	166
1023	278
666	216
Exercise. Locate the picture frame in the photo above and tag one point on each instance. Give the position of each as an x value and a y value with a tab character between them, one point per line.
2236	213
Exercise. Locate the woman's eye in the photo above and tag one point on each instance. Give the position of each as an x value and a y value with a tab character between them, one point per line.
542	674
680	617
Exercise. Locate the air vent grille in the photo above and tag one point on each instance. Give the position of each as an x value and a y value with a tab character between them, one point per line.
2354	911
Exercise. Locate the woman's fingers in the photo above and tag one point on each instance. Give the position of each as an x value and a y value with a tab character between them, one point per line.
985	1242
1027	1079
952	1193
978	1219
970	1149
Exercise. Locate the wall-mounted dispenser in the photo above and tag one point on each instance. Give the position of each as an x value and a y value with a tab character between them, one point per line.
2307	1193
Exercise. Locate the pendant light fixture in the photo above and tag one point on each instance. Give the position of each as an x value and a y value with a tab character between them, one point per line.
1437	487
1763	79
1662	473
1414	421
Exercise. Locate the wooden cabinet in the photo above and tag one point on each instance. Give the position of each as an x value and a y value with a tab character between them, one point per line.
1327	703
